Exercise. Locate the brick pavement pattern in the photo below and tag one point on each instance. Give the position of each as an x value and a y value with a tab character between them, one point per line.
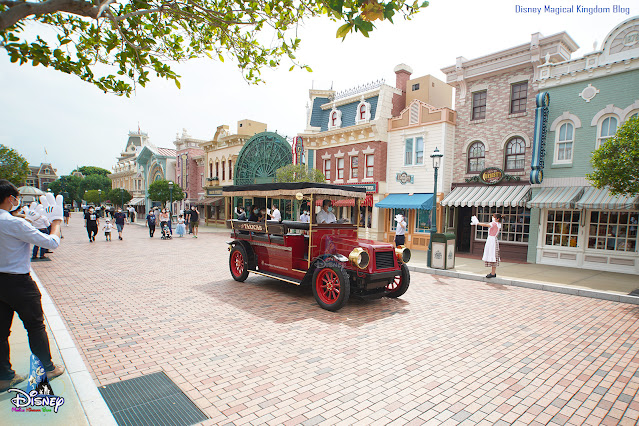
262	352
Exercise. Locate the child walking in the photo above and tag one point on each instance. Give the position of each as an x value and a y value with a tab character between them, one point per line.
107	230
181	229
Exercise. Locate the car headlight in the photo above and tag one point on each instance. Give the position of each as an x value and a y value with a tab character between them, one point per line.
359	257
403	254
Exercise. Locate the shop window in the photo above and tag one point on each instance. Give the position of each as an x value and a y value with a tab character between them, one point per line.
230	170
518	95
340	168
515	223
422	221
223	170
327	169
415	86
370	161
562	228
408	152
354	166
635	115
479	105
395	212
607	129
610	230
217	170
210	170
564	144
515	154
476	157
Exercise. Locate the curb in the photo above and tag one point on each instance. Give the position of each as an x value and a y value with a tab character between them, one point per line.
95	409
555	288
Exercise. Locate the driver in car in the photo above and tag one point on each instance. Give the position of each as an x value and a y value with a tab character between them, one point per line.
326	214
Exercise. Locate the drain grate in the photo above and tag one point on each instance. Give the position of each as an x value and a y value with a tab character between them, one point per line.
150	400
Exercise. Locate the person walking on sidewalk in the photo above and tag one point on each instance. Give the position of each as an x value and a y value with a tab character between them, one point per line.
18	292
181	229
491	248
107	230
67	213
92	222
194	220
150	222
400	230
119	222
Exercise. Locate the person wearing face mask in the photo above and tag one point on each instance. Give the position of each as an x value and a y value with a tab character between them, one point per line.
92	222
18	292
326	214
400	230
120	218
253	216
491	248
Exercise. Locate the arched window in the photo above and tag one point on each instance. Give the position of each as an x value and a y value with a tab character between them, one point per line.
635	115
211	170
564	143
607	129
223	170
476	157
515	153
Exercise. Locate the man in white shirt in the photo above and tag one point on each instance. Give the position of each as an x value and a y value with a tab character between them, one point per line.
18	292
326	214
275	213
400	230
305	217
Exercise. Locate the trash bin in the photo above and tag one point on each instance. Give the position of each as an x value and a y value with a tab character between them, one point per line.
442	253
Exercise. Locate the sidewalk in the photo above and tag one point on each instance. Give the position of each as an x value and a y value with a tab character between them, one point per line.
581	282
83	404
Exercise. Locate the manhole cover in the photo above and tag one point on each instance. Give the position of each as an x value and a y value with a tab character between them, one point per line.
150	400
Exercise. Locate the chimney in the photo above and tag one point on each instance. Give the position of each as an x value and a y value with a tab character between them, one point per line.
402	75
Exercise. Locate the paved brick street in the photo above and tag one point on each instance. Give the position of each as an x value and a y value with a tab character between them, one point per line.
262	351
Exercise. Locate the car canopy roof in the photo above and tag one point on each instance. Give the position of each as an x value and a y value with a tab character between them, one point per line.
291	189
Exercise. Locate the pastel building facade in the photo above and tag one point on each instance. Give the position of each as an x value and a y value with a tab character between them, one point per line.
41	176
577	225
189	169
495	104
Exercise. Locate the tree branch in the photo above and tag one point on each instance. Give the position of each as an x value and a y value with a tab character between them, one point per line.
21	10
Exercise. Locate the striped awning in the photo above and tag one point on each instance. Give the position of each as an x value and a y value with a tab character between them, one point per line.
557	198
602	199
136	201
488	196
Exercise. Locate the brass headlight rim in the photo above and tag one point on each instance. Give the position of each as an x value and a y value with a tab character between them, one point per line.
356	254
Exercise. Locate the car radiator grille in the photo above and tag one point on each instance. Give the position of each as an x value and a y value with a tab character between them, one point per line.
384	259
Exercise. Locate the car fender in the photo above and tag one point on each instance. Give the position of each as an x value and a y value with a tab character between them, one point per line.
252	259
322	261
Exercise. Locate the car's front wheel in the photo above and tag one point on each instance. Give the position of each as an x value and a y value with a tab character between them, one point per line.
331	287
238	263
400	283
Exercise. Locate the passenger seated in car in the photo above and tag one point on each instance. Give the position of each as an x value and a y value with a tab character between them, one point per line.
326	214
253	214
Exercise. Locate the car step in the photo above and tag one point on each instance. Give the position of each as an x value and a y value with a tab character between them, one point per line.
277	277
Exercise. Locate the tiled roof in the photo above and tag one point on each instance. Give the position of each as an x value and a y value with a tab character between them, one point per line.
168	152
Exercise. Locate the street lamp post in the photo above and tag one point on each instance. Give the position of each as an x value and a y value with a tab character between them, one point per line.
171	195
122	197
437	158
100	199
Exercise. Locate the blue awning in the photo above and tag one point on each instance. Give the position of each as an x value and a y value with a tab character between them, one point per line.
407	201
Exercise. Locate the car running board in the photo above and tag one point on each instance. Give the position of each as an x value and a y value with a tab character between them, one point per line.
277	277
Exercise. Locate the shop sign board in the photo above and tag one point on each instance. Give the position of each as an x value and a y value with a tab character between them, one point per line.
215	191
491	175
371	188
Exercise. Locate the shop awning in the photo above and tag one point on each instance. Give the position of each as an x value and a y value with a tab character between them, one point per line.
209	201
136	201
407	201
557	198
488	196
350	202
602	199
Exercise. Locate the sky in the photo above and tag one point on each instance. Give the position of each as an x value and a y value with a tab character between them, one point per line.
77	124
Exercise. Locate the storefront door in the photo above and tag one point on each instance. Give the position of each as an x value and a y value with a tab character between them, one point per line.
464	230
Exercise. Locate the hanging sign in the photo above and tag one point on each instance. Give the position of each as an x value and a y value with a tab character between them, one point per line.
539	140
404	178
298	150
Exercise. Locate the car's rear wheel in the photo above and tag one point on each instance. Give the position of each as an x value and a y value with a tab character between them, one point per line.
238	263
400	283
331	287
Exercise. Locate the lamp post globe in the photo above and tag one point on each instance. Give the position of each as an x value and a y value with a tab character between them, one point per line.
437	158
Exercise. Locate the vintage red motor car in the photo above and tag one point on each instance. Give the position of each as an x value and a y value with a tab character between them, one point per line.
329	257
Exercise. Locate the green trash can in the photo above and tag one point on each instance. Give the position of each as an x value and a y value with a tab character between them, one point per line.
442	250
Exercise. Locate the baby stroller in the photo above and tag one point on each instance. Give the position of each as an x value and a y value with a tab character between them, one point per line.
166	232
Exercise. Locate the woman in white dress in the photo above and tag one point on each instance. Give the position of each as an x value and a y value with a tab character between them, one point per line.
491	249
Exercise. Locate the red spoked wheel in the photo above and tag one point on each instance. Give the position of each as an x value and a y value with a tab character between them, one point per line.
238	263
331	287
400	283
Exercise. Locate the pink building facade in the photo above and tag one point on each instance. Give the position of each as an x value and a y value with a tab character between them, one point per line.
189	170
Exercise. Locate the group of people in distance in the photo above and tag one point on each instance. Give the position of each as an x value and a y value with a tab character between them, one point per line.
92	223
156	216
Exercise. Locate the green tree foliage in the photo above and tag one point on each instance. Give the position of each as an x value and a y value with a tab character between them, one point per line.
93	197
140	38
95	182
616	161
13	166
159	191
118	196
92	170
70	185
298	173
